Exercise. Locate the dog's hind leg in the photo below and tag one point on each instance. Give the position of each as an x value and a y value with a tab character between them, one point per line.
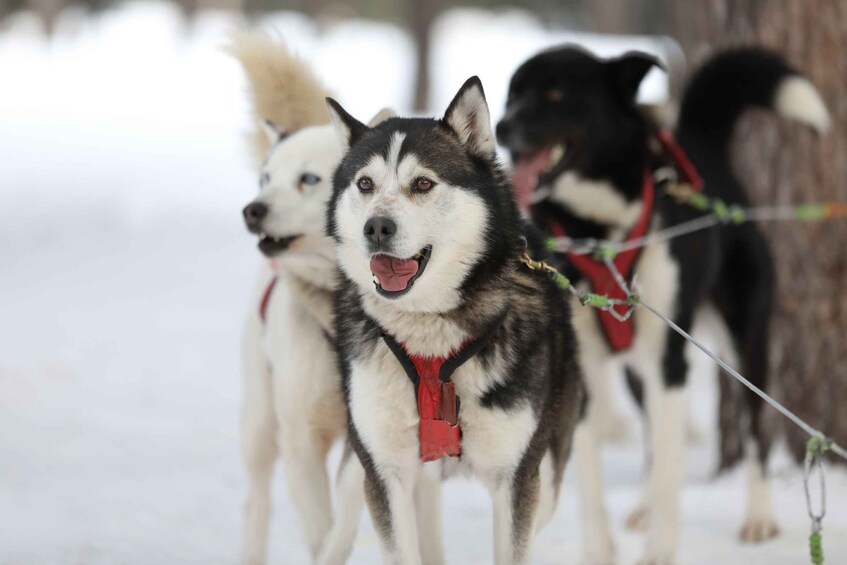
744	297
350	500
428	502
258	448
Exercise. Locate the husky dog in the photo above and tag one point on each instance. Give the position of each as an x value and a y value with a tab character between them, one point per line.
292	402
293	405
573	128
428	241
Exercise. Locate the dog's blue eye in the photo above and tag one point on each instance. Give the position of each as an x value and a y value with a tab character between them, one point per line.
310	179
264	179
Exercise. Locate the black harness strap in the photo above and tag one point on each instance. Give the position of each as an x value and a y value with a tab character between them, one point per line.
452	363
471	349
403	358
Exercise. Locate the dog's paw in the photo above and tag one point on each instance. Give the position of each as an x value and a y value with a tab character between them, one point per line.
759	529
639	519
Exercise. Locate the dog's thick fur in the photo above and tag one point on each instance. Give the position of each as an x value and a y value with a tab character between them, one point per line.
521	395
569	98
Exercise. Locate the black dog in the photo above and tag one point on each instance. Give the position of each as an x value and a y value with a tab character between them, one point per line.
584	160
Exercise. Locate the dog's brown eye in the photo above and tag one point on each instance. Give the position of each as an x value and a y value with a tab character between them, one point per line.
365	184
423	184
555	95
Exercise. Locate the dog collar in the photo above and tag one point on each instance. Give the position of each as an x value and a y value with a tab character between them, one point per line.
619	335
266	299
440	434
683	165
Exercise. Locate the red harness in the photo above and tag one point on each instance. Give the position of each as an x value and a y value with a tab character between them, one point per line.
619	335
440	434
266	299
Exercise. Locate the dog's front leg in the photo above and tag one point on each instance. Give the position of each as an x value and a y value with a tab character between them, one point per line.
428	500
666	410
391	502
515	504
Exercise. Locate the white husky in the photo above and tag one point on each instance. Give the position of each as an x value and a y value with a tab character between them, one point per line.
292	399
293	404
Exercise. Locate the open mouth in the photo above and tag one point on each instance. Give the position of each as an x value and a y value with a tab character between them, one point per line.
393	276
531	171
272	246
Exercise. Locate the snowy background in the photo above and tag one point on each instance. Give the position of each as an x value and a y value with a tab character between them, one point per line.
125	274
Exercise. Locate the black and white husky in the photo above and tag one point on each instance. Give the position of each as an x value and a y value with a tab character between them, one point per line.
574	129
428	241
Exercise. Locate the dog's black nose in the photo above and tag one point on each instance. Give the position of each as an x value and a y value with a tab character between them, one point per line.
379	230
254	213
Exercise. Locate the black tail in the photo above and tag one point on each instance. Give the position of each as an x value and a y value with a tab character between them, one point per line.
724	88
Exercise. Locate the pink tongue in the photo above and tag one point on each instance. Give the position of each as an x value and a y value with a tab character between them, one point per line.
393	274
525	176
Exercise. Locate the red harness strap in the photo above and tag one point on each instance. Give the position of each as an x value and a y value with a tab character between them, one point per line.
266	298
619	335
686	169
440	434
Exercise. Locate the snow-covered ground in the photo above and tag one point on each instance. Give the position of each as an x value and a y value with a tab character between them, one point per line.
125	273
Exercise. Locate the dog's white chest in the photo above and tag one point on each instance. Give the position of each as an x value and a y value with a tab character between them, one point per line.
384	408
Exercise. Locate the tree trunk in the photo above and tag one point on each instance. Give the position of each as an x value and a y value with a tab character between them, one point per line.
783	163
419	19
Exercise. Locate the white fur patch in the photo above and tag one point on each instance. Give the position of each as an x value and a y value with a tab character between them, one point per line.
593	200
796	98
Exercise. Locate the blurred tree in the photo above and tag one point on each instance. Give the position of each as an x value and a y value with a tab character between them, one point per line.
420	15
784	163
48	11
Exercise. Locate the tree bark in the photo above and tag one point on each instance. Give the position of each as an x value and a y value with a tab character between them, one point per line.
420	16
783	163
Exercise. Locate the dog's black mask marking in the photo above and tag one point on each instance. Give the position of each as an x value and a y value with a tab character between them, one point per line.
567	96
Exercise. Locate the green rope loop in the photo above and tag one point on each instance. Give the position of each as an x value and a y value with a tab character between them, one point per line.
817	445
561	281
737	214
810	212
720	209
594	300
607	252
551	244
816	548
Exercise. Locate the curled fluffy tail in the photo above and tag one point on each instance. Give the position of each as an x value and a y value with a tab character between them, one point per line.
738	79
283	90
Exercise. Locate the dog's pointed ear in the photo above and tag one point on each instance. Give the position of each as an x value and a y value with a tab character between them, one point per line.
627	71
274	133
348	128
468	116
381	116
